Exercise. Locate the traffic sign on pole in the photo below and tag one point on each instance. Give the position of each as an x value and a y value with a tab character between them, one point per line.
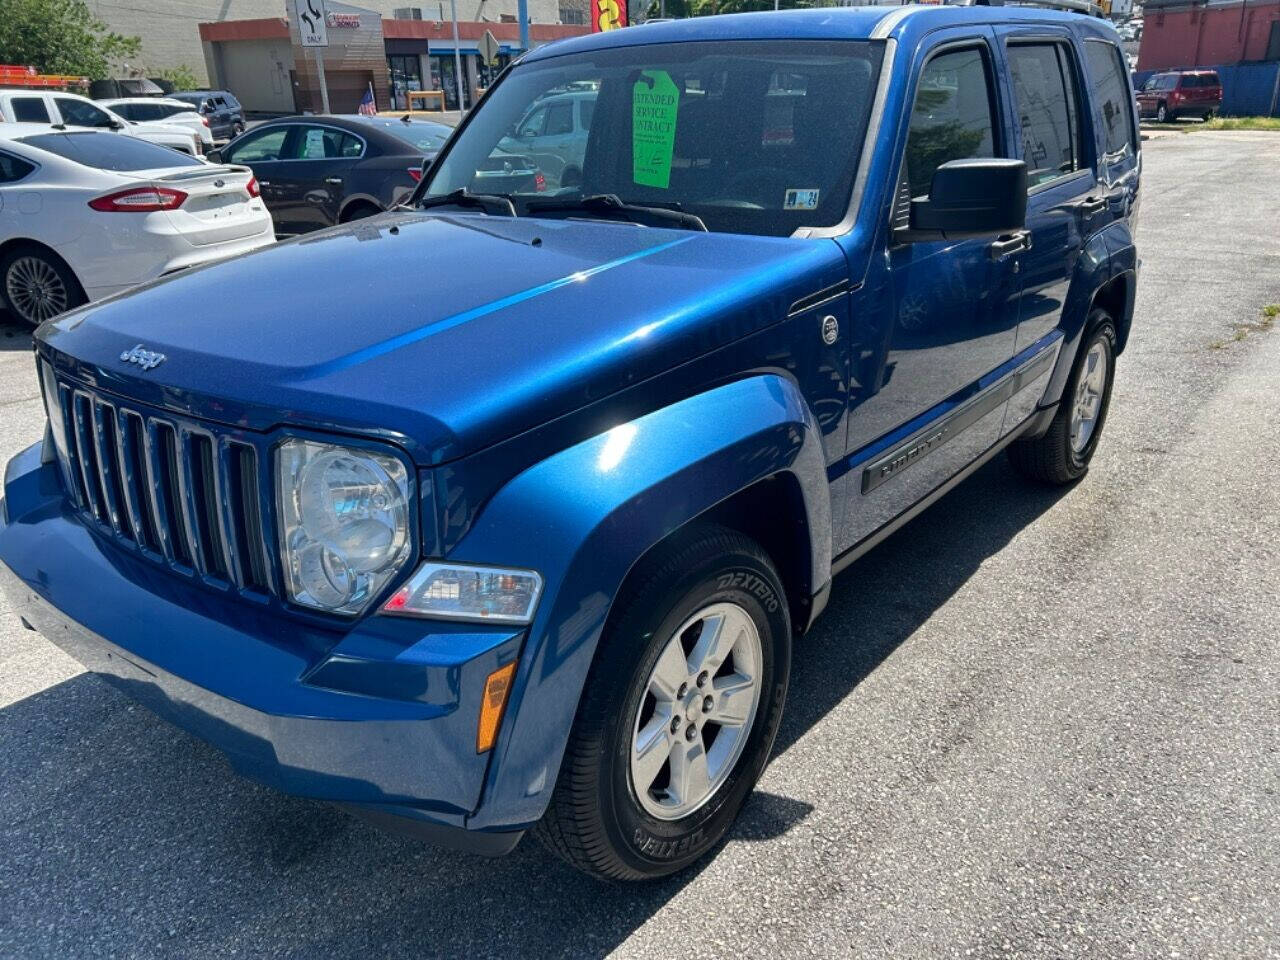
488	47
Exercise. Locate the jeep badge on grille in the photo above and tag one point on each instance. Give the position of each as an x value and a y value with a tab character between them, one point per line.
146	359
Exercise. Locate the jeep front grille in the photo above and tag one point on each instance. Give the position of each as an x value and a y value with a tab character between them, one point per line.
180	492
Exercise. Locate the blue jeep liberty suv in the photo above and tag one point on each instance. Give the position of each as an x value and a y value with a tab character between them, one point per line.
500	512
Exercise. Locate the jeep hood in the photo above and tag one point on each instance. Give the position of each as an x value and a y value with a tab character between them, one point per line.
445	333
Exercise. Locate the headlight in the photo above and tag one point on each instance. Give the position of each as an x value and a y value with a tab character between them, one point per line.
452	591
344	523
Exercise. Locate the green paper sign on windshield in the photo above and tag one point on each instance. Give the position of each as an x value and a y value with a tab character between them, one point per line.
654	102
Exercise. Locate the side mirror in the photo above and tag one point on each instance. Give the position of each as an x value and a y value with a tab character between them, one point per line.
427	163
214	156
115	124
973	198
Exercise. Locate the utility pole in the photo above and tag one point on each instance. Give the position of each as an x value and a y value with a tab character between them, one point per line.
457	56
324	87
522	14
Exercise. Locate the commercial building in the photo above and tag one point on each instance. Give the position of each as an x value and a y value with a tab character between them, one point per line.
172	34
1181	33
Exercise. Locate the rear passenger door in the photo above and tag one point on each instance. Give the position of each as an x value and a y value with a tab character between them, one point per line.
1055	139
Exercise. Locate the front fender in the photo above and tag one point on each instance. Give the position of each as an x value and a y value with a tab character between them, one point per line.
584	516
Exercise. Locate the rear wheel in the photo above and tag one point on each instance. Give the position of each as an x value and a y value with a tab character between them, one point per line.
1063	453
38	285
358	211
678	714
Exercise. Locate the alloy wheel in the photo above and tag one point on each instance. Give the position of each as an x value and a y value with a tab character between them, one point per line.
35	290
697	711
1088	400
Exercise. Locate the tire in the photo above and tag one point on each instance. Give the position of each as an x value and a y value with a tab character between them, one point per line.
597	820
236	130
358	211
1163	115
37	285
1208	115
1058	457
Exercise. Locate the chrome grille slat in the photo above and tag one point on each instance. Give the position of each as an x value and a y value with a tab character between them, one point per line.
102	415
178	492
134	486
84	450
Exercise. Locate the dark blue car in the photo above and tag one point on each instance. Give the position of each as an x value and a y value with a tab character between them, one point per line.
500	512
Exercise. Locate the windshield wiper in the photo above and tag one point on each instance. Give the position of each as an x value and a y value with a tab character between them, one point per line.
609	205
488	202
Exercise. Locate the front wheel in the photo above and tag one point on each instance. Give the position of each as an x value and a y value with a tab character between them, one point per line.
1063	453
679	712
1162	114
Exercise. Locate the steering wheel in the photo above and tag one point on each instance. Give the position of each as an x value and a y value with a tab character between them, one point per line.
755	184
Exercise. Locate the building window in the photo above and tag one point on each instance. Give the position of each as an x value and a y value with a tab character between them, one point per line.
572	13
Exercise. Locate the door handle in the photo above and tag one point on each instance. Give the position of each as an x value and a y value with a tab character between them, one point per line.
1092	205
336	181
1006	246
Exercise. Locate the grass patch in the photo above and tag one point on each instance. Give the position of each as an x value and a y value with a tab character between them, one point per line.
1235	123
1241	331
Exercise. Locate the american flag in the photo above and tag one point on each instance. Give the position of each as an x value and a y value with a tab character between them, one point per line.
367	106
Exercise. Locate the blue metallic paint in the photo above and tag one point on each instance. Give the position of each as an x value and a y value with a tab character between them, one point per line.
566	410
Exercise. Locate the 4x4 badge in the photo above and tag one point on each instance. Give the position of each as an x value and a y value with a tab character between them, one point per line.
146	359
830	330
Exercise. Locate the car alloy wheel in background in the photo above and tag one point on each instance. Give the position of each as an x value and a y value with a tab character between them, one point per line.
34	289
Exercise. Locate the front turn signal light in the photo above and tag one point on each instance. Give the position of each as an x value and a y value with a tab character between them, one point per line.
496	690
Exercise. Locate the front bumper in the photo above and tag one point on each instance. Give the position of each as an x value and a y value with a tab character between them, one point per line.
381	718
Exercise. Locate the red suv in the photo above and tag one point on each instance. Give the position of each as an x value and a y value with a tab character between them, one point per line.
1180	93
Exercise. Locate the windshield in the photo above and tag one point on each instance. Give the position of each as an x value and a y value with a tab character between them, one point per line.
752	136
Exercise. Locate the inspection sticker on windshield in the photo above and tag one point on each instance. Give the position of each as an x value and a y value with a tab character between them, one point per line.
800	199
654	102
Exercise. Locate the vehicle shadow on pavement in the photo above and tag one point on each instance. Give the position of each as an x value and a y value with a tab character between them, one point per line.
13	335
123	835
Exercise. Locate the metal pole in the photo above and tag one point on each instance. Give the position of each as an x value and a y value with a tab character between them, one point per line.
324	88
522	14
1275	93
457	56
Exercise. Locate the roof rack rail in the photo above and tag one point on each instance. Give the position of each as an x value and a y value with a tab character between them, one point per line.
1074	6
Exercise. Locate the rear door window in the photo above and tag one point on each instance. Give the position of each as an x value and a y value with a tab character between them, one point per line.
30	110
326	143
1110	95
560	119
953	117
1044	95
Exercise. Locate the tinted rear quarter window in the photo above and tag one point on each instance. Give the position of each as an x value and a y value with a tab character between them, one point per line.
1110	94
30	110
110	151
13	169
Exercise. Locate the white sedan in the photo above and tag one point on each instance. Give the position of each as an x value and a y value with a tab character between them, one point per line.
77	112
85	214
177	113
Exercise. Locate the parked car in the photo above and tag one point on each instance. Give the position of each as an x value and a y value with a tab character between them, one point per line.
165	111
220	108
1181	93
321	170
90	213
425	136
553	134
500	513
75	112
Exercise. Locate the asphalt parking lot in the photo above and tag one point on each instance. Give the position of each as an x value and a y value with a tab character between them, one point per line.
1034	722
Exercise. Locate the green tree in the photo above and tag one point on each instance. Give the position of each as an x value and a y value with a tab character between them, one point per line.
60	36
182	77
